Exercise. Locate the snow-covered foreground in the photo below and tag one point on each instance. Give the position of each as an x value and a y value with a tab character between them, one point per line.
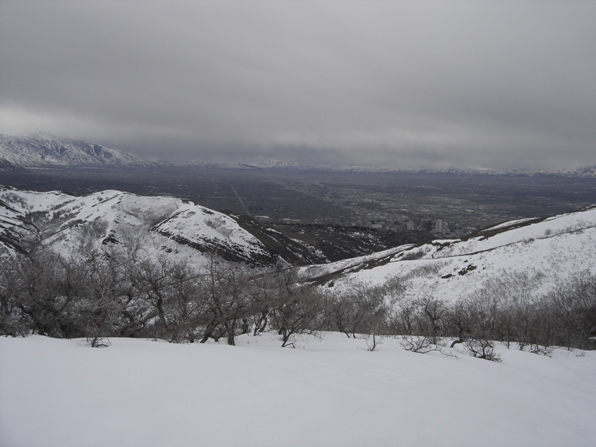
329	392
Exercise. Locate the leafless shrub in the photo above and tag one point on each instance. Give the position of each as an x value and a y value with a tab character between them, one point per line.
482	348
298	308
412	255
419	344
432	268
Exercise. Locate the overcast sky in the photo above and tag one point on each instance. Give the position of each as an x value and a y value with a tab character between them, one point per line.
495	84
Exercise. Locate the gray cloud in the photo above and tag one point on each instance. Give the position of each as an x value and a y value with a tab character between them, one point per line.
420	83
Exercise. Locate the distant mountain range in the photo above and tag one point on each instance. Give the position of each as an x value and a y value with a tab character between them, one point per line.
584	171
42	150
45	151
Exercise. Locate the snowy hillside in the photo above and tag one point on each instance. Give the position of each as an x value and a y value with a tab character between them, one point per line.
43	150
329	392
540	253
168	226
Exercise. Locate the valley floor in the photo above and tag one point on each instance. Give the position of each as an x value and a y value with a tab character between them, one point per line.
326	392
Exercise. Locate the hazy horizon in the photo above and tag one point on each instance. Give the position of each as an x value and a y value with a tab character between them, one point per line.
414	84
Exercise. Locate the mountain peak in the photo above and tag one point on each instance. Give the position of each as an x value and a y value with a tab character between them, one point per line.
44	150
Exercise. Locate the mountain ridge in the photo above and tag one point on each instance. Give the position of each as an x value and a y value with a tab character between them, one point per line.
534	255
45	150
163	226
42	150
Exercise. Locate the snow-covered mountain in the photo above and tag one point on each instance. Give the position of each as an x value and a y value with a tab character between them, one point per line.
286	165
44	150
531	256
164	226
583	172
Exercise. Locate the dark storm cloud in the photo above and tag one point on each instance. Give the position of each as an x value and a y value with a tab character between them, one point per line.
495	84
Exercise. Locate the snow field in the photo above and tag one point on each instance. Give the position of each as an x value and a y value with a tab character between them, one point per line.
326	392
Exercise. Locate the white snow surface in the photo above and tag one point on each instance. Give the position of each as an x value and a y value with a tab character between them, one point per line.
155	224
326	392
41	150
544	254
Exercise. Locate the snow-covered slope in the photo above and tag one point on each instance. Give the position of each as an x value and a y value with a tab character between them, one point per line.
328	392
44	150
175	228
539	253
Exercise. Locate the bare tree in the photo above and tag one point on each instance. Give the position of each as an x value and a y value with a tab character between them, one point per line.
298	309
12	321
227	301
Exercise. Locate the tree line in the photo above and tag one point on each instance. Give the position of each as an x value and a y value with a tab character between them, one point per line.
106	294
